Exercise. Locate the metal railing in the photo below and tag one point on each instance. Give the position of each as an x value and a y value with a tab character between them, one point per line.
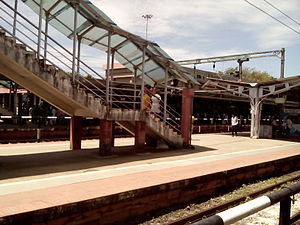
241	211
55	53
58	55
172	118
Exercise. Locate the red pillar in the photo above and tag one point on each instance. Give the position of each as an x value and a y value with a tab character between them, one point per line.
187	102
106	136
140	136
75	132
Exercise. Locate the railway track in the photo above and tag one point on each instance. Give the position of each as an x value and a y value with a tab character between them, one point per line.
229	204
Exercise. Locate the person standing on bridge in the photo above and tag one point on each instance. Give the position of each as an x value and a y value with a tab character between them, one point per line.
147	98
155	106
234	125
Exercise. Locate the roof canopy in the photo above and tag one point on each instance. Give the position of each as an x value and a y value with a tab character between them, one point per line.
94	28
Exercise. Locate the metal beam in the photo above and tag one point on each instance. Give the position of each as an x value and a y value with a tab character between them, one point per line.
112	74
15	18
286	88
78	58
40	30
134	86
143	76
230	57
74	40
46	38
108	67
165	95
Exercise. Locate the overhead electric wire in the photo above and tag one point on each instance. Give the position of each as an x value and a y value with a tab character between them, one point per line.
272	17
282	12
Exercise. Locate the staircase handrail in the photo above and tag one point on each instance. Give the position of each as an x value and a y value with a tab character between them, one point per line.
114	93
52	39
172	120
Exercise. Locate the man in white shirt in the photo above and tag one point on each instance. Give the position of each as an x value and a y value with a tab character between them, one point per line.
234	125
155	106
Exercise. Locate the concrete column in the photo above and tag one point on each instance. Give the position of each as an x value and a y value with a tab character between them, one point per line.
106	136
75	132
187	102
140	136
256	105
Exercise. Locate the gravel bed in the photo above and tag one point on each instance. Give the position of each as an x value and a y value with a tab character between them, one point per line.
269	215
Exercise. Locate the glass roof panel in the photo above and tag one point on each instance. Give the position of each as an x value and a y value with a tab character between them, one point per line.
100	12
138	60
99	46
59	7
116	39
150	48
34	6
95	33
129	53
162	52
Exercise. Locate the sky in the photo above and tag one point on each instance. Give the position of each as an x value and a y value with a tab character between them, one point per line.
192	29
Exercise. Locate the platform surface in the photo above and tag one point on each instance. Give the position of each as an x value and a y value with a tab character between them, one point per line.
41	175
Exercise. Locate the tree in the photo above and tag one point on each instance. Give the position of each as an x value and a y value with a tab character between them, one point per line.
250	75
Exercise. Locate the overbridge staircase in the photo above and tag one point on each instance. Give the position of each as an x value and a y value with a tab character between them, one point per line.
80	97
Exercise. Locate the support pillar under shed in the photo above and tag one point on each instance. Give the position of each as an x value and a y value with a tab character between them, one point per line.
106	137
75	132
187	103
256	106
140	136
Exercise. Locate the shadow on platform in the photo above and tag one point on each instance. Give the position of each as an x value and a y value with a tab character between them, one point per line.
282	138
16	166
239	134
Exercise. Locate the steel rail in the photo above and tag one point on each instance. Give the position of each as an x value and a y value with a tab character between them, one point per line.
212	210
